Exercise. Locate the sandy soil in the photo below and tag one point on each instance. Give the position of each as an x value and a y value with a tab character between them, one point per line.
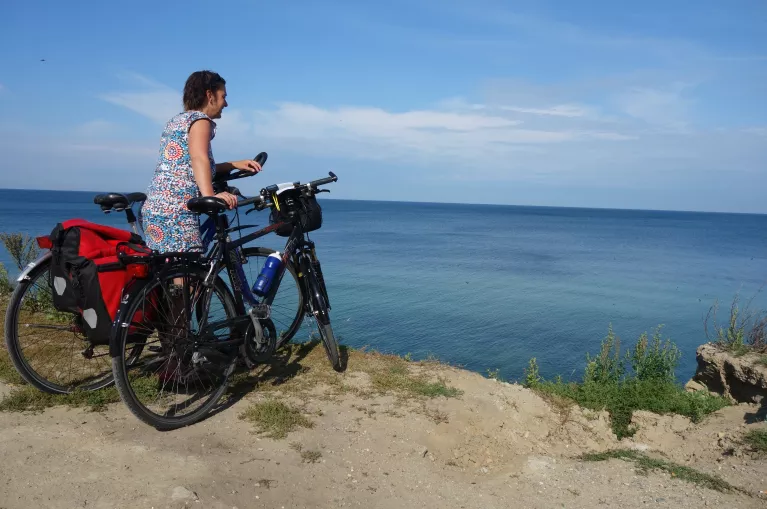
497	445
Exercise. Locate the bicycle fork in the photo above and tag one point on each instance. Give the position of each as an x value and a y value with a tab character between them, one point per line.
316	268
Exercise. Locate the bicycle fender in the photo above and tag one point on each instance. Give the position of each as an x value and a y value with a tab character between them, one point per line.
25	273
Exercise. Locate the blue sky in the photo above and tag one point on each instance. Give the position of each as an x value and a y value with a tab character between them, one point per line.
650	104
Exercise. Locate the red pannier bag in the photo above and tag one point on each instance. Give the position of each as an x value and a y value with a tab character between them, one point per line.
89	272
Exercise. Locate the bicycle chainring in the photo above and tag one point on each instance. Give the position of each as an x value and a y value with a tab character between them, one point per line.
260	340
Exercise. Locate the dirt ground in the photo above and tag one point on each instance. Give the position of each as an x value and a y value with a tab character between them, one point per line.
495	445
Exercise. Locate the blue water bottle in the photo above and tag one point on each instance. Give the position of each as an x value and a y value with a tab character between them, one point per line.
264	281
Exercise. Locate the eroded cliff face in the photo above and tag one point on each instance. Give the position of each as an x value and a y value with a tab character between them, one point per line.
742	379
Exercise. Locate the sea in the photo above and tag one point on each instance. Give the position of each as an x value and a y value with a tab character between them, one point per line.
489	287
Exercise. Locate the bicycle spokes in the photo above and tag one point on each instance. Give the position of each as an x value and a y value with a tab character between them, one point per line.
180	367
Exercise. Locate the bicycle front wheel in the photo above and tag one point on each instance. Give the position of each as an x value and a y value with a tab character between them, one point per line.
321	314
186	363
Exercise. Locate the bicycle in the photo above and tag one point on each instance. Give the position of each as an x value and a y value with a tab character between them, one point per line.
51	356
197	348
47	347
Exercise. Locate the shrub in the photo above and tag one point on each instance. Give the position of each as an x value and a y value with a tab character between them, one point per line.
607	367
649	385
22	248
5	283
532	377
654	361
745	329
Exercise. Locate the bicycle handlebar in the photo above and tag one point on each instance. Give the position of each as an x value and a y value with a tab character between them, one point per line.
234	175
261	200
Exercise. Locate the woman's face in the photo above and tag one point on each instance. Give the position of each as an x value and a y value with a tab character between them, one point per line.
216	102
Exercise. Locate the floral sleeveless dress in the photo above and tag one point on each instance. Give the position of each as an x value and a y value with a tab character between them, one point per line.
169	226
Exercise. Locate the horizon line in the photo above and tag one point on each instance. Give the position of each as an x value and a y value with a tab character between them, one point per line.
688	211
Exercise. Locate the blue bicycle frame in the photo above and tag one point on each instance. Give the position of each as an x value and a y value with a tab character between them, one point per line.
239	282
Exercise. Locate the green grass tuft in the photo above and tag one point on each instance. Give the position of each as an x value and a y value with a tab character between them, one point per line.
646	464
757	440
275	419
311	456
8	373
395	377
29	399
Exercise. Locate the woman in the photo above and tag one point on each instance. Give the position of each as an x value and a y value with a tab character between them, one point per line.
186	167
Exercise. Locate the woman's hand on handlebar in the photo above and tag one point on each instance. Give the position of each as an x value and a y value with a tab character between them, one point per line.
229	198
247	165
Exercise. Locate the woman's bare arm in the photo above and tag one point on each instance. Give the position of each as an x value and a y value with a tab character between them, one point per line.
199	146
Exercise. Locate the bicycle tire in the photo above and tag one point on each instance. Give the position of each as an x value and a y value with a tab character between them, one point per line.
322	317
127	394
16	351
297	318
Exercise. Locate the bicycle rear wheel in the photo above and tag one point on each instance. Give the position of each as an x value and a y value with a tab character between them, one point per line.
47	347
184	370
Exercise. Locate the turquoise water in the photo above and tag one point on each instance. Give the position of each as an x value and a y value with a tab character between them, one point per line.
488	287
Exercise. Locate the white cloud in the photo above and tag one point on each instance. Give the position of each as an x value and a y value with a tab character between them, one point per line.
132	149
660	107
562	110
378	119
459	103
155	101
96	127
423	135
632	131
456	128
758	131
159	105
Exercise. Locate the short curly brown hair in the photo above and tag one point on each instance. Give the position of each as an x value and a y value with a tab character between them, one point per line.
197	84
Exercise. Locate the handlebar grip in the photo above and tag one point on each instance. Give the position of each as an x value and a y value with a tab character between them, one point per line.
326	180
261	158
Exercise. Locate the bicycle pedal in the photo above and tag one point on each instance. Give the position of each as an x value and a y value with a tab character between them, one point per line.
259	312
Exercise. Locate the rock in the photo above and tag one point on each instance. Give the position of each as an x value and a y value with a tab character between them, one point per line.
693	386
424	452
181	493
740	379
